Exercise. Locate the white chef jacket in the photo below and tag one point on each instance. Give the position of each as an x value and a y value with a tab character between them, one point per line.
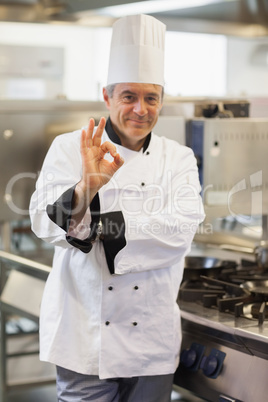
122	322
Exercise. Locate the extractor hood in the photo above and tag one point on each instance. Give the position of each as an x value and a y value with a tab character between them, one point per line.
229	17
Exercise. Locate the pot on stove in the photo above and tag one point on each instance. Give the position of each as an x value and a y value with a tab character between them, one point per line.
257	287
209	266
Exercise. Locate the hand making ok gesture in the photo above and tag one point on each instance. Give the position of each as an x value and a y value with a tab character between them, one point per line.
96	171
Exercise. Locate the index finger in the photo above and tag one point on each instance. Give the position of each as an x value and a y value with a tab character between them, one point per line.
99	132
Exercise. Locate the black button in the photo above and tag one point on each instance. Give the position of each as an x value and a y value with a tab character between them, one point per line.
134	323
147	153
107	323
110	288
136	287
142	184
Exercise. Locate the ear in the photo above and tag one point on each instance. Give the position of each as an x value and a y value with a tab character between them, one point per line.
106	98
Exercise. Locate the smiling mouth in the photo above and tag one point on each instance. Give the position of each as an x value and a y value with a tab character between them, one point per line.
139	121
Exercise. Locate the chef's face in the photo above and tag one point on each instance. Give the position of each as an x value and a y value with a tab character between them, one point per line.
134	110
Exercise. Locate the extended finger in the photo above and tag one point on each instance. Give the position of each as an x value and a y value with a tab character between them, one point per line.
99	132
89	133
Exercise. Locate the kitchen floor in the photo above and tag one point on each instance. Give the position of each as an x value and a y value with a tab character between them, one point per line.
48	394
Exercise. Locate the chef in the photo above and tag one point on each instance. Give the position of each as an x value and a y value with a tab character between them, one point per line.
121	205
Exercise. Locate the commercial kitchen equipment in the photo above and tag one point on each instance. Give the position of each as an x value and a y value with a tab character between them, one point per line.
231	156
31	72
224	293
222	108
21	288
224	354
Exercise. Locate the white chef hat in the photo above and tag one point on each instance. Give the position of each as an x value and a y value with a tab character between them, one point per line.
137	50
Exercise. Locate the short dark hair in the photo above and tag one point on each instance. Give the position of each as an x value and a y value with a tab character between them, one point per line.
110	91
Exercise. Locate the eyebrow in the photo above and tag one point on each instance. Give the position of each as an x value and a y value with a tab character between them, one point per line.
128	92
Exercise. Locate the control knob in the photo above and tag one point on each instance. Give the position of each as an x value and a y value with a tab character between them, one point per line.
209	365
191	358
188	357
212	364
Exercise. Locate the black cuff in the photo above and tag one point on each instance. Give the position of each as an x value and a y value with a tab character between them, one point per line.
113	226
61	213
86	245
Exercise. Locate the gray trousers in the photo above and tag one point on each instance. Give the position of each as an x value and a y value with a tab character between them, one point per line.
75	387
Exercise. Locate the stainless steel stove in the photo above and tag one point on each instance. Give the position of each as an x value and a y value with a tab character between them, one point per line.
224	355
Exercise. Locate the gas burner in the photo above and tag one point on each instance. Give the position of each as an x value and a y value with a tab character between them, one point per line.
213	292
196	291
238	290
247	271
256	311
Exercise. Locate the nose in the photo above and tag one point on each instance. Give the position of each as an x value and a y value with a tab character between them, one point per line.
140	107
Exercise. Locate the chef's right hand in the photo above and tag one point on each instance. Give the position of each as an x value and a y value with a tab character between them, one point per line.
96	171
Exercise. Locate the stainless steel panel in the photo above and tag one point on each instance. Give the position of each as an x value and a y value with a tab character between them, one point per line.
23	292
235	165
31	61
243	375
26	131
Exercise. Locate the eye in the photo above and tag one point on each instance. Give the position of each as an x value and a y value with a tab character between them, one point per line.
152	100
128	98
